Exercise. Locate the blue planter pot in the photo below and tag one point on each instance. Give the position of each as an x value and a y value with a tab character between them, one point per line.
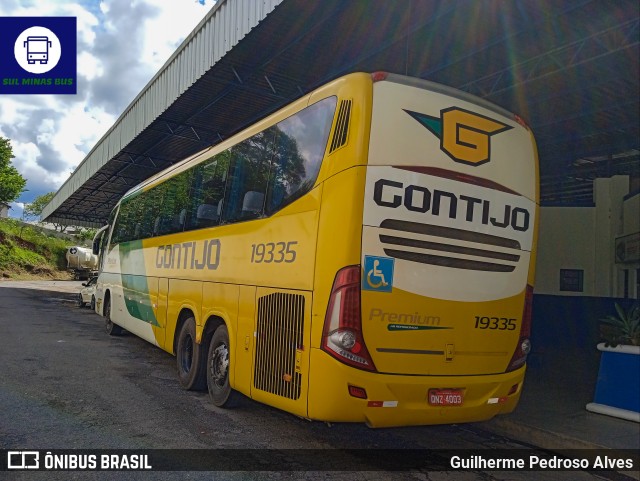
618	386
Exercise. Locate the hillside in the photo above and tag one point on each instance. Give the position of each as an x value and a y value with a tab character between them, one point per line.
28	253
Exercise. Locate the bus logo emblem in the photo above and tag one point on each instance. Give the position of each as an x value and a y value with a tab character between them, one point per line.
378	274
464	136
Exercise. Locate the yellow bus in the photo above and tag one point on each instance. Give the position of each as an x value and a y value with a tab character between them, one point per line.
365	254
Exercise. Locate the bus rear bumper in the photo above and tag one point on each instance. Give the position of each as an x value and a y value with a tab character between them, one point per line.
397	400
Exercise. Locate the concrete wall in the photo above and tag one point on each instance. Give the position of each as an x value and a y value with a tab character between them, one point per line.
631	214
583	238
566	241
631	270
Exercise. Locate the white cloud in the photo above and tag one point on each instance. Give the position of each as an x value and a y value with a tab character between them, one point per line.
121	45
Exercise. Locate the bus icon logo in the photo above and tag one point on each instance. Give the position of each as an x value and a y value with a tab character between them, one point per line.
378	274
37	50
23	460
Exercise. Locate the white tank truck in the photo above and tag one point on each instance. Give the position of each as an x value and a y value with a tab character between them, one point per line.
82	262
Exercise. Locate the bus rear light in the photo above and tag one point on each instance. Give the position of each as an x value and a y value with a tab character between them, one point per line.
342	335
358	392
521	121
379	76
523	347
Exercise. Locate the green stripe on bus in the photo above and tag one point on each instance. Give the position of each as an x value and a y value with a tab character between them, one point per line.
136	288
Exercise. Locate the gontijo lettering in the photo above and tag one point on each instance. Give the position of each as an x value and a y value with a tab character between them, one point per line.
189	255
416	198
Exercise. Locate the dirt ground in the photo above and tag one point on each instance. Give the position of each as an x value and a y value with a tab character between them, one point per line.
24	275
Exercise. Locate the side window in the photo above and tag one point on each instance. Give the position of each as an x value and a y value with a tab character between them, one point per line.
297	154
112	229
172	213
148	206
207	194
137	209
123	231
247	183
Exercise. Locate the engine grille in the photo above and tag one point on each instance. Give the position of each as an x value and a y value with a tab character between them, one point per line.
279	337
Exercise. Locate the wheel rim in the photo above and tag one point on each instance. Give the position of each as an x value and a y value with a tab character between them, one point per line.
220	365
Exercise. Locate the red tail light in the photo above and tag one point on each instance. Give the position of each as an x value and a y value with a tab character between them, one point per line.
524	344
379	76
342	336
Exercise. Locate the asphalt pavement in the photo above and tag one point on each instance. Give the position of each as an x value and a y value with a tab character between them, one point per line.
65	384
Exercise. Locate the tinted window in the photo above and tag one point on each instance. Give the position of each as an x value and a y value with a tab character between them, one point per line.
249	174
175	205
297	155
123	230
259	175
207	192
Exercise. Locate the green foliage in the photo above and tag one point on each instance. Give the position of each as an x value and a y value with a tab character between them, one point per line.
623	328
24	248
11	182
34	209
86	234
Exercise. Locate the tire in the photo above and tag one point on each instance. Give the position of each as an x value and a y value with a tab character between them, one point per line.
93	303
218	367
191	358
111	328
79	301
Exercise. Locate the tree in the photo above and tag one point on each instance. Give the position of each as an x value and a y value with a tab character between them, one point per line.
34	209
11	182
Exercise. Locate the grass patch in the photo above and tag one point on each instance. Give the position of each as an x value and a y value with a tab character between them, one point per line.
25	251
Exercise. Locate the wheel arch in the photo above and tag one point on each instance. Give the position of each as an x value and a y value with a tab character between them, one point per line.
185	313
107	297
212	323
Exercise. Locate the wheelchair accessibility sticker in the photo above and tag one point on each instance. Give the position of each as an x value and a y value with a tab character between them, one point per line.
378	274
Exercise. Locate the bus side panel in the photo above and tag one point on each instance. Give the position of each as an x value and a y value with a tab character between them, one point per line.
283	332
140	308
161	312
339	237
240	377
182	295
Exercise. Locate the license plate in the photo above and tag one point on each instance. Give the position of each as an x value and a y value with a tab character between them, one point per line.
445	397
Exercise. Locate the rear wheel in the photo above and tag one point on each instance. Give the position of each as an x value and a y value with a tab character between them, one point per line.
218	366
191	358
111	328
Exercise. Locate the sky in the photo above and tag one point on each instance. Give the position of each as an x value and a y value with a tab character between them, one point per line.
121	44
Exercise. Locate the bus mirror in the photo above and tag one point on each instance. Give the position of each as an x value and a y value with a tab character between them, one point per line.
96	246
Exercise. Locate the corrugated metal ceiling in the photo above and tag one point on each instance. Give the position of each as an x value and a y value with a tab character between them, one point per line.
569	68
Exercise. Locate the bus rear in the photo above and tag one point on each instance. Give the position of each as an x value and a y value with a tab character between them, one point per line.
432	324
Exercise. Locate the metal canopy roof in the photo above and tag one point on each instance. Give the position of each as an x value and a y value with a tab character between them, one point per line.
570	69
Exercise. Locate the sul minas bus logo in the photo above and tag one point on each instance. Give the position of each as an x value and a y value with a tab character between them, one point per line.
464	136
38	55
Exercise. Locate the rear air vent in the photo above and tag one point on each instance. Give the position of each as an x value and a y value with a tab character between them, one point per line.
279	338
342	126
449	247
